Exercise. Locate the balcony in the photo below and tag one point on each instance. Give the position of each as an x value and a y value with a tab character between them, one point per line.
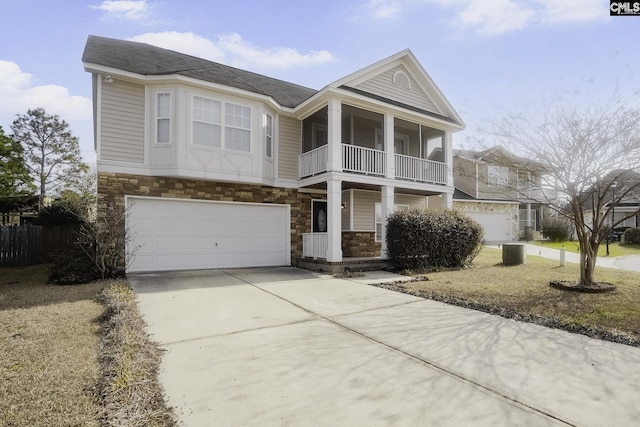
367	161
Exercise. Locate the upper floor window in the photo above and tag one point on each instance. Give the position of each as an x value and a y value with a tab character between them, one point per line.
268	136
163	118
498	176
207	122
319	135
215	122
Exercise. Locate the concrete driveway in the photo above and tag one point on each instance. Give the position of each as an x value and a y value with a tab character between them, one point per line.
287	347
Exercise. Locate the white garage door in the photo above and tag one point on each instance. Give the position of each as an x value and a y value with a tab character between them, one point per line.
170	234
497	226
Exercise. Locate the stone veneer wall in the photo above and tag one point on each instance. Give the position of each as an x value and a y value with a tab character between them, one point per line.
112	187
360	244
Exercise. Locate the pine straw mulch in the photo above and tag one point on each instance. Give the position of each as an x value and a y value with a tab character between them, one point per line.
129	388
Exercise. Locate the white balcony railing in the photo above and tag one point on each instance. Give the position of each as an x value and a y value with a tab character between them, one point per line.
313	162
363	160
421	170
314	245
373	162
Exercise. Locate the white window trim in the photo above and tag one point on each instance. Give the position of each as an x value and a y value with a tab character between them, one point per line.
314	128
399	81
498	183
268	116
378	206
405	144
223	125
157	118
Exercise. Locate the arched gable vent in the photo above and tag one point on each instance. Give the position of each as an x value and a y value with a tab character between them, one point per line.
401	78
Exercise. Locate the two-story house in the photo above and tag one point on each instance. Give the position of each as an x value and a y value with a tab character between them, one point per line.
501	191
220	167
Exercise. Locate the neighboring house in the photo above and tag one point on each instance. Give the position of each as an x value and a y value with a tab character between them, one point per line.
499	190
221	167
620	202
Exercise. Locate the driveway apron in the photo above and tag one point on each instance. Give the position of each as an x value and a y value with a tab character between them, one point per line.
287	347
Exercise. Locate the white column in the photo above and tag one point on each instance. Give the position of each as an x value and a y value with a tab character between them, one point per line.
447	200
448	156
389	141
529	215
387	203
448	159
334	220
334	136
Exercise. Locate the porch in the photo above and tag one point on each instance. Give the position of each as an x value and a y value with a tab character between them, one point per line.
368	161
348	139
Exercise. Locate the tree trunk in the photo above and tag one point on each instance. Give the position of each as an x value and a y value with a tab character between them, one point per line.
588	257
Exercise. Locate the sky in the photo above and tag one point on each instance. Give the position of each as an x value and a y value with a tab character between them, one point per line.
487	56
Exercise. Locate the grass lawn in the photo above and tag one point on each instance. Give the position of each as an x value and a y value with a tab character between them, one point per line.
48	350
525	290
615	248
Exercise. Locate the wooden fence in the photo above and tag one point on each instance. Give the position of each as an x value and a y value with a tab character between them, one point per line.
34	244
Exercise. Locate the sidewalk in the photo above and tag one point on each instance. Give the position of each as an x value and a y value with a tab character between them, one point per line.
628	262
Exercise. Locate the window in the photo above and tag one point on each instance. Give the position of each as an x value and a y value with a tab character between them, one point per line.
207	129
211	127
237	127
523	219
498	176
378	218
319	136
163	118
268	136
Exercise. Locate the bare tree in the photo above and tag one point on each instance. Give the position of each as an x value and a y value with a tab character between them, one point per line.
51	152
589	154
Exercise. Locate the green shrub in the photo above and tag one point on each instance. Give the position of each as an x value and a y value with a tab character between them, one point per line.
421	239
73	267
60	212
556	229
632	235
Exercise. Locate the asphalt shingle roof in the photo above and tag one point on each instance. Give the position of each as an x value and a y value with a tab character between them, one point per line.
144	59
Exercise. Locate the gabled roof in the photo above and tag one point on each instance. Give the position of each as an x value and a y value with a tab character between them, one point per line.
408	63
499	155
148	60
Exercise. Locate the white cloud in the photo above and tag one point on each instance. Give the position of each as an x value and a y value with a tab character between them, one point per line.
127	10
232	49
384	9
561	11
495	17
19	94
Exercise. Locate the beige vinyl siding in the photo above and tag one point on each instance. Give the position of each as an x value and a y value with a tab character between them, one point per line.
289	141
383	85
364	207
411	200
122	122
364	210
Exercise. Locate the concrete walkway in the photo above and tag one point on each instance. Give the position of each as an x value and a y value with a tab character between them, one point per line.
287	347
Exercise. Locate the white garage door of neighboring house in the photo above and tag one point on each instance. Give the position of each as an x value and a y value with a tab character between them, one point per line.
172	234
497	226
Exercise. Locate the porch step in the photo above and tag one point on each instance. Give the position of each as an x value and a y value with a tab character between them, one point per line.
347	264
